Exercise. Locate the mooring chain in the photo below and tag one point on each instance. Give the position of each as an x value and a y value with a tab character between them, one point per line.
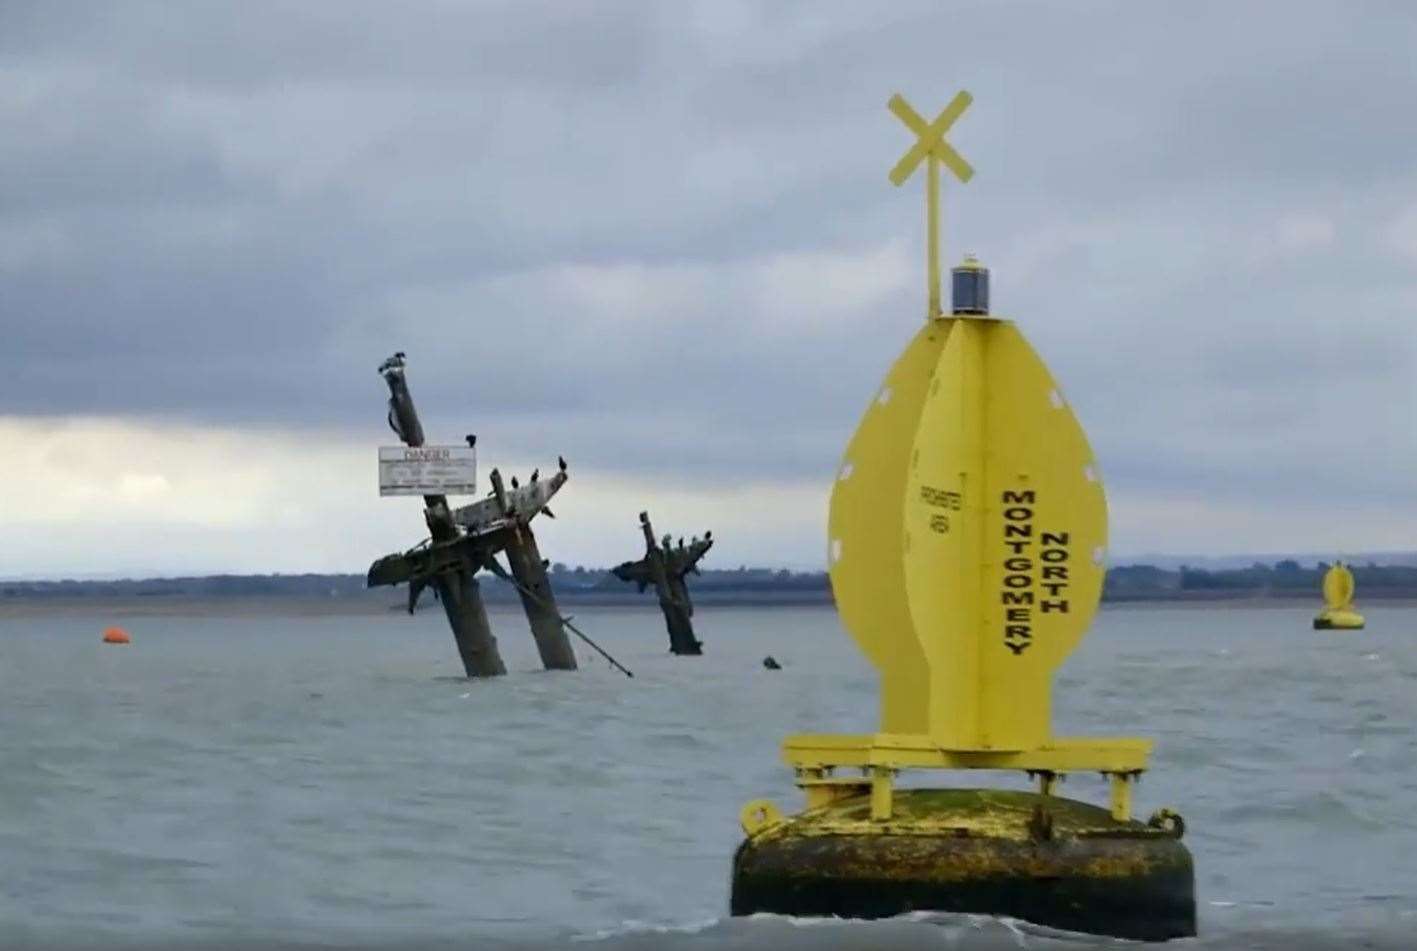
496	568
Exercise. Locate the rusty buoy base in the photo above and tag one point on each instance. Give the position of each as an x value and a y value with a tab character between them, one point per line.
1051	861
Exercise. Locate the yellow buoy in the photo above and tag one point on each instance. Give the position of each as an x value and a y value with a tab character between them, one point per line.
967	528
1338	613
116	635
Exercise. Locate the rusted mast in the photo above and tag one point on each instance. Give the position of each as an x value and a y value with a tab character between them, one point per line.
678	613
665	567
455	583
529	569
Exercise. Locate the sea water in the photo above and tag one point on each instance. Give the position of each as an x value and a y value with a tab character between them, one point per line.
334	781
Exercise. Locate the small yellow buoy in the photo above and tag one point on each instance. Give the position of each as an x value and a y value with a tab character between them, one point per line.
116	635
1338	613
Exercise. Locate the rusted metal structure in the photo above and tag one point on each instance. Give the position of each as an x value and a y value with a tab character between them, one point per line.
665	567
502	522
465	540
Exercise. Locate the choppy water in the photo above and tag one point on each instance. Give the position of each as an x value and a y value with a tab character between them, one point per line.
229	782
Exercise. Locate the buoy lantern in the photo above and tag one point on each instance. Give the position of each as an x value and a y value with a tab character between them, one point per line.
1338	613
966	532
116	635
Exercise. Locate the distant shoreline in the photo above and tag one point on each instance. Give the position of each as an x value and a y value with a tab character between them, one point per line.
1286	583
373	604
382	604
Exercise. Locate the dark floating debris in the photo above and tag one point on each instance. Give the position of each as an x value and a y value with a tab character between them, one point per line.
770	662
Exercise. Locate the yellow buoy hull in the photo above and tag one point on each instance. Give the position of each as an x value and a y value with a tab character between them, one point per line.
1052	861
1339	621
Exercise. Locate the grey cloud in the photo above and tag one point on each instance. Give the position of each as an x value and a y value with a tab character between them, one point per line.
276	44
229	214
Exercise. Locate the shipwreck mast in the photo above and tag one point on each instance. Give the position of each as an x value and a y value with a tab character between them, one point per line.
665	567
529	574
455	583
466	540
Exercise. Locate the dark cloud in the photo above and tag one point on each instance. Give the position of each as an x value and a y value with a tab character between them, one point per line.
612	229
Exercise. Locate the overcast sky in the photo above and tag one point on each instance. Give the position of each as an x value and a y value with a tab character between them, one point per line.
658	238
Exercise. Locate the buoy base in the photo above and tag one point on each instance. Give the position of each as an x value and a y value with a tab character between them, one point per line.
1339	621
1051	861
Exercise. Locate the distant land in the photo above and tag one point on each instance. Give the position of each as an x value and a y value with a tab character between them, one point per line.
1287	579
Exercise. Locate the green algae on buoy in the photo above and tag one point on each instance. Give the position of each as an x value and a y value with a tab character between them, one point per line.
1021	854
1338	613
967	528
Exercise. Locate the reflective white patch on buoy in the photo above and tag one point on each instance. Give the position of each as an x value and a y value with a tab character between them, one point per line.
835	550
1056	399
884	396
845	471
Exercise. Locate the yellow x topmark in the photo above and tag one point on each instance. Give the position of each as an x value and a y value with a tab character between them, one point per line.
931	138
931	148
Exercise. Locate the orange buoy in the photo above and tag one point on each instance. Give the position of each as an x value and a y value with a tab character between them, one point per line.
116	635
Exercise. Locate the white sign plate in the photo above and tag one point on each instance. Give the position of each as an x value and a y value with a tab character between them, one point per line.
427	470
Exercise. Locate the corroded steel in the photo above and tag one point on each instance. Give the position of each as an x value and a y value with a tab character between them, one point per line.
971	813
505	507
666	567
464	541
441	565
1051	861
533	585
